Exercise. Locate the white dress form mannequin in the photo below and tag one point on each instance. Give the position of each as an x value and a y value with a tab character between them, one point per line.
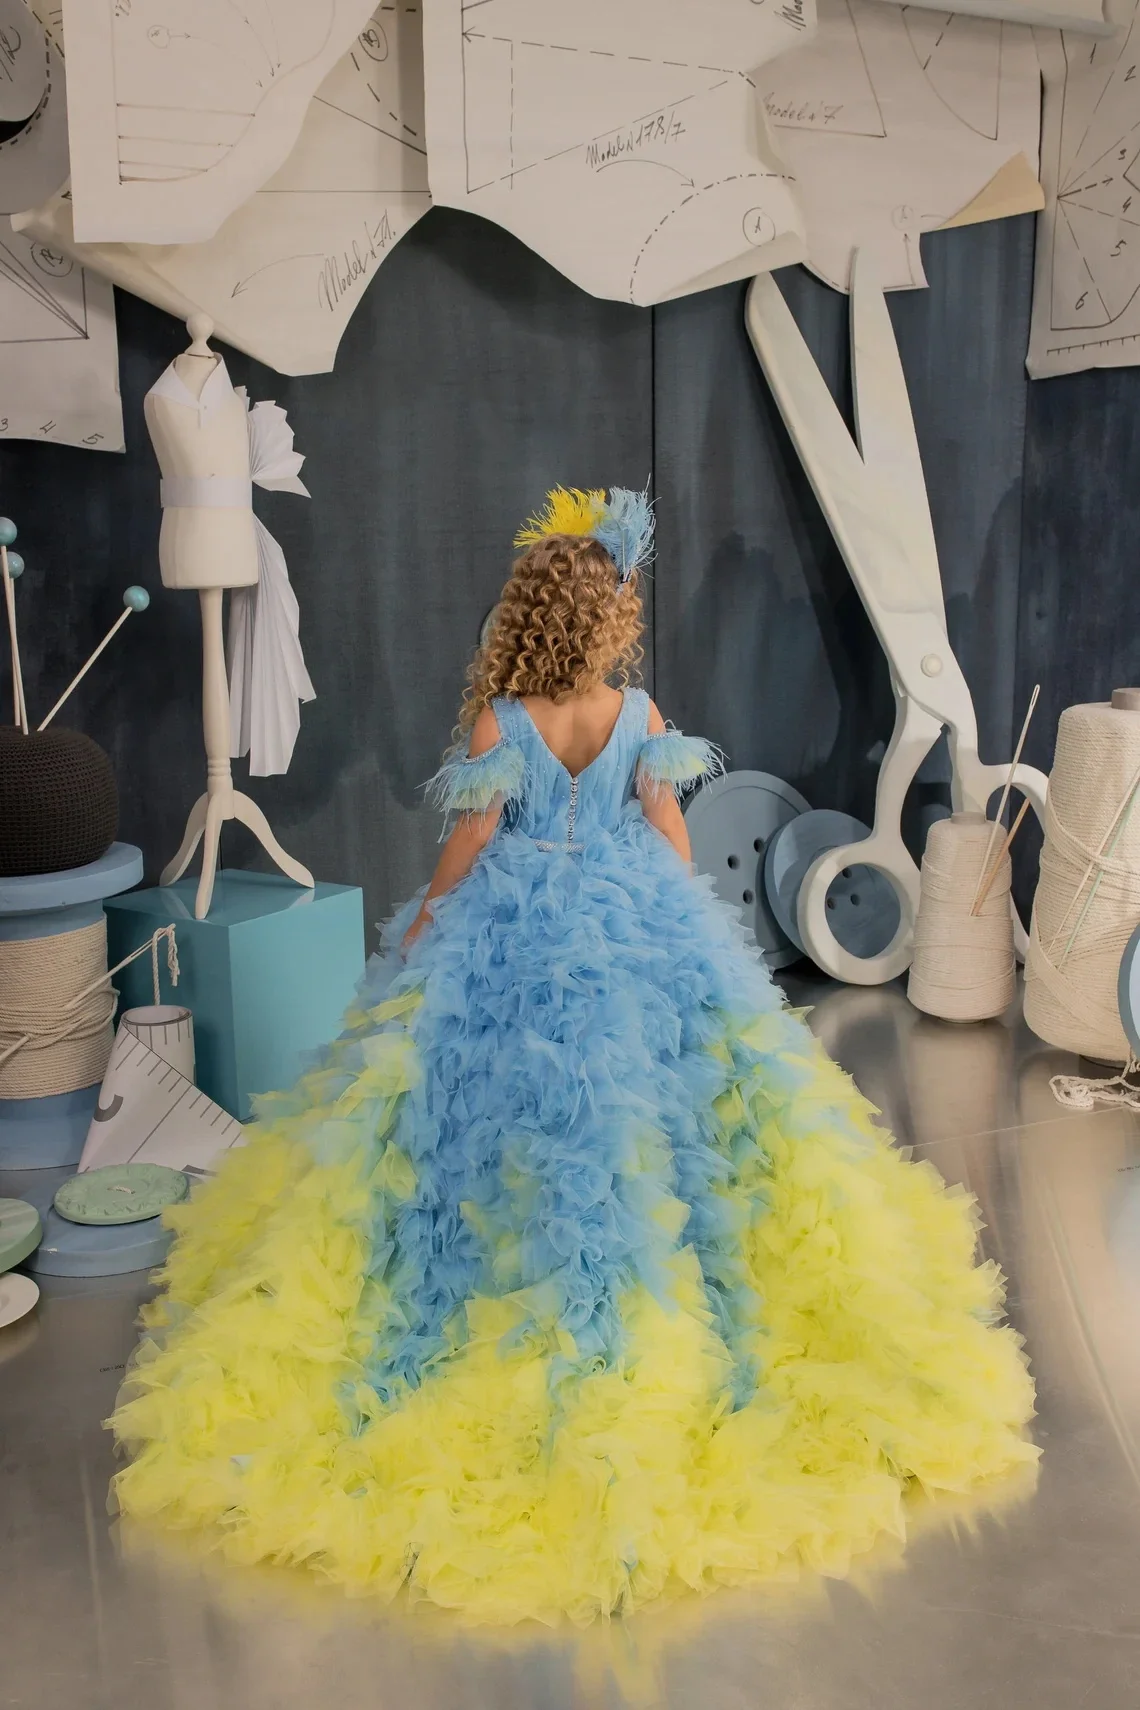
209	547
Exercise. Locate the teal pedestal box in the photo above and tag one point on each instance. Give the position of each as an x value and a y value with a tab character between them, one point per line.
267	975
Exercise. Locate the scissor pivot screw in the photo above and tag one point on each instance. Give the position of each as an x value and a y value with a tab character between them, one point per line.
932	665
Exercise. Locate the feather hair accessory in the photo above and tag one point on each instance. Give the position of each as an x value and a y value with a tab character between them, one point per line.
626	530
623	524
567	511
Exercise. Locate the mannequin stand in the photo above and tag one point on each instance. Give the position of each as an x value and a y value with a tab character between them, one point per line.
221	801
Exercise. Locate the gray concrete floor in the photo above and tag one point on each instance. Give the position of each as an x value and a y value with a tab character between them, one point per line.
1034	1605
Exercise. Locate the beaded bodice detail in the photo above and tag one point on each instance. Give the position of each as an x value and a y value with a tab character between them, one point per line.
559	810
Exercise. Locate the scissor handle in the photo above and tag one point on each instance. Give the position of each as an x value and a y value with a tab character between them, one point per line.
889	856
981	782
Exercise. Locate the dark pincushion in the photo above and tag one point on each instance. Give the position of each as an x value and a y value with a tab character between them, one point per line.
59	807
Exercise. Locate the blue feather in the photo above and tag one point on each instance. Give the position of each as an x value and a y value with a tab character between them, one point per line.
626	530
677	761
472	786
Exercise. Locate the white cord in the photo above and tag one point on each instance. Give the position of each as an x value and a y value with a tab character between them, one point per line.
54	1038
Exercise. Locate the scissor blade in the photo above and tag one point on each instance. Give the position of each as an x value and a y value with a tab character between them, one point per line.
867	525
827	451
884	425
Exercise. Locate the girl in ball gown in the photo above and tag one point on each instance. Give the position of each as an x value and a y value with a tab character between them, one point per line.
574	1273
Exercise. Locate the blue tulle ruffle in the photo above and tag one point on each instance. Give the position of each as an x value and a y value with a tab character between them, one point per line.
569	1133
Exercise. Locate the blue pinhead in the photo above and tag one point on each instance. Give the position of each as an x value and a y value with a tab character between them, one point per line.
7	531
136	599
15	565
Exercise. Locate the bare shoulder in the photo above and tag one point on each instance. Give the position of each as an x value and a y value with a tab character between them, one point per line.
484	732
656	723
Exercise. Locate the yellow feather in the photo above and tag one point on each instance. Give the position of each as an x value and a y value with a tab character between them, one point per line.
567	511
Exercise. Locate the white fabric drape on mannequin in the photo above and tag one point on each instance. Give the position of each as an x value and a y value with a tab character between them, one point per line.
268	679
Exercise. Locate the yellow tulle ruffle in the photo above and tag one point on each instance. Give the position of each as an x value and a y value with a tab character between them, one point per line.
503	1491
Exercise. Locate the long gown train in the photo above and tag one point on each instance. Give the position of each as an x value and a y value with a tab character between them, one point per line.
574	1273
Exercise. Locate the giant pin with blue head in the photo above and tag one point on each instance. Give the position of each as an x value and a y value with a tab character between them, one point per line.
12	566
135	599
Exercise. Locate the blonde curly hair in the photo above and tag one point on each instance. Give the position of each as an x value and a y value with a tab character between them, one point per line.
564	623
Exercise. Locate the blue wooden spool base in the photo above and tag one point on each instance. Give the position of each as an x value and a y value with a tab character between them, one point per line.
44	1133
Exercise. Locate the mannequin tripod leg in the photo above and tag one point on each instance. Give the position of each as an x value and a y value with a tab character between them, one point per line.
221	801
216	816
195	826
251	816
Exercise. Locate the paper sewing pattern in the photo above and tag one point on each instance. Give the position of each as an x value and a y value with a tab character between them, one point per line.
59	356
284	274
33	160
1086	285
59	362
900	121
181	109
1086	15
23	67
50	16
622	143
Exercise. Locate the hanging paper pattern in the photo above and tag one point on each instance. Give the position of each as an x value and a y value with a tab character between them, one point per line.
1086	284
181	109
623	143
288	268
59	378
897	122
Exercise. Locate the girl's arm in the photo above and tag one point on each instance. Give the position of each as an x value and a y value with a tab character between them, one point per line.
472	832
659	804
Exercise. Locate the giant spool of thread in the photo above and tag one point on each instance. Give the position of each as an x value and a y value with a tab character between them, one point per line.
1088	897
58	862
56	1006
963	967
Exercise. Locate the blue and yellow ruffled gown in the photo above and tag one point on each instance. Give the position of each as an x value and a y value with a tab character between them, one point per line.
575	1273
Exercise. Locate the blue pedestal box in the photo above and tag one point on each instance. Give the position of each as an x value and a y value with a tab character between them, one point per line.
267	975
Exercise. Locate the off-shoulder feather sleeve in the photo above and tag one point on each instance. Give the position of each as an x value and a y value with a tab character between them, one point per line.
676	761
463	785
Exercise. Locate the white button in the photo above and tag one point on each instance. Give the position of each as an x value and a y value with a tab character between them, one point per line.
932	665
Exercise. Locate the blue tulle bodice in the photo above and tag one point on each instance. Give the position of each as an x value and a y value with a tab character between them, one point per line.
541	799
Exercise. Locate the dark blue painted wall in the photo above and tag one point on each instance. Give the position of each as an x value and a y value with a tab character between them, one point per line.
471	379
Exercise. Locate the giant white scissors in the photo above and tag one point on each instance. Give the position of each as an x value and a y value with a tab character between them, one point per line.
874	497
